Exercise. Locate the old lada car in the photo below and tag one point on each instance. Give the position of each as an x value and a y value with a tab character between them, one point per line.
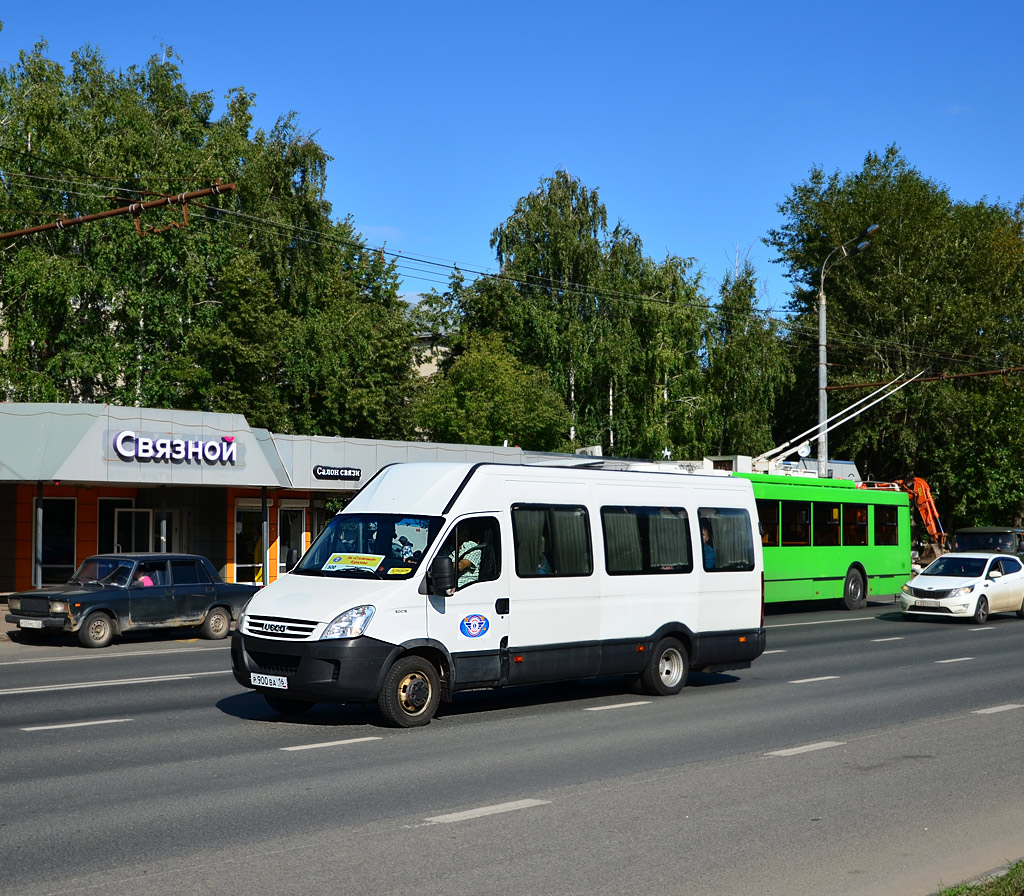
114	593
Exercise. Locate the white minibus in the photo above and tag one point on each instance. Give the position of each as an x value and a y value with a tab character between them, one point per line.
439	578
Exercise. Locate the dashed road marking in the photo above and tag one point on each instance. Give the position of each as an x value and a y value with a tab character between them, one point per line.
486	810
959	659
617	706
809	680
76	724
330	743
807	748
1004	708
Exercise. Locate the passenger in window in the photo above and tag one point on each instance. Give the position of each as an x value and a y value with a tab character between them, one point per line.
142	578
709	548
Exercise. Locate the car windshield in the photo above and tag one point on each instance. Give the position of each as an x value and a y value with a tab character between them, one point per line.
103	571
983	541
382	545
957	567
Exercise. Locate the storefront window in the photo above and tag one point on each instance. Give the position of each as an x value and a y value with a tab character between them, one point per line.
290	532
58	553
248	545
106	537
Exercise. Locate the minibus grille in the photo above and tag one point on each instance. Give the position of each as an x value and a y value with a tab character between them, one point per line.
276	627
275	663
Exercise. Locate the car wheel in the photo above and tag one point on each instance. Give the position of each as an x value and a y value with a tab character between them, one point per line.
286	706
981	611
853	590
411	693
666	671
96	631
217	624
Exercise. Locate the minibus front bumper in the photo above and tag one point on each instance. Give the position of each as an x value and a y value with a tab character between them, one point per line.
343	670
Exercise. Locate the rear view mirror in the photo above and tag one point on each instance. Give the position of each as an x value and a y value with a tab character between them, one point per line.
441	576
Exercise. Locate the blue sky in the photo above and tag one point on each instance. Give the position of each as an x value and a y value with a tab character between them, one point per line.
692	120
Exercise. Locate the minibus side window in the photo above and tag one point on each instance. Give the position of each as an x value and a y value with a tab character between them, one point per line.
551	540
646	540
474	547
727	539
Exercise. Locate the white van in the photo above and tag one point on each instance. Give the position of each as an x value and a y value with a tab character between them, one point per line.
438	578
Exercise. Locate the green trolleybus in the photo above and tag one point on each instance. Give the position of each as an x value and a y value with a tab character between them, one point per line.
828	539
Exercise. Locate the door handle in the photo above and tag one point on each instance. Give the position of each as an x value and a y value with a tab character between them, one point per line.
501	606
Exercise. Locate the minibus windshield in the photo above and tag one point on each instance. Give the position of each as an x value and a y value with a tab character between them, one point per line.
382	545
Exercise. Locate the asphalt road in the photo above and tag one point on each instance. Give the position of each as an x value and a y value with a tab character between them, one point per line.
861	755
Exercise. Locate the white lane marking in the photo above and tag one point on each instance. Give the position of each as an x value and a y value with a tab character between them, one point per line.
808	748
883	640
982	628
108	684
109	655
1004	708
486	810
330	743
822	622
772	651
959	659
809	680
617	706
76	724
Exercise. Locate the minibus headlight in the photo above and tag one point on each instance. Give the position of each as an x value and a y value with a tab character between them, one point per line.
350	624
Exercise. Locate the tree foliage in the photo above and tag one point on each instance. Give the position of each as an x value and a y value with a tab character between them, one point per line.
941	290
261	305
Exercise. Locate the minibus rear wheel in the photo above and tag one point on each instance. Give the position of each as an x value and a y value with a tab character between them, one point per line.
411	692
667	668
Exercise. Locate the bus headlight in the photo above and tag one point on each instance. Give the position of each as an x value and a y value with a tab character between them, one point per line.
350	624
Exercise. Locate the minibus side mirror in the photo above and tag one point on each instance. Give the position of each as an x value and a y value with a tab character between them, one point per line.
441	576
292	559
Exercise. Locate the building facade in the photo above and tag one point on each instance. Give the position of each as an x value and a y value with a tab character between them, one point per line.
79	479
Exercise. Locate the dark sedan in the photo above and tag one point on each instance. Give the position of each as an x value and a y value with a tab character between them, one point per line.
115	593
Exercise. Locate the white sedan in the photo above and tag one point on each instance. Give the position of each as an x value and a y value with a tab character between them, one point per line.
966	585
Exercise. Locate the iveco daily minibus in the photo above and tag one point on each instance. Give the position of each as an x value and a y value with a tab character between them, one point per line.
438	578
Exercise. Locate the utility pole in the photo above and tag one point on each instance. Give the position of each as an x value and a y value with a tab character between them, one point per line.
135	210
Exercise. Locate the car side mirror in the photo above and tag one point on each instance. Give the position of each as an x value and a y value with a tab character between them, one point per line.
995	574
441	576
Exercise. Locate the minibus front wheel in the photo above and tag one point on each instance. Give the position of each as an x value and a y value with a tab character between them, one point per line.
666	671
411	692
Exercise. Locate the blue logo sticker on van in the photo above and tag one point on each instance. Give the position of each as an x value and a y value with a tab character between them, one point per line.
474	626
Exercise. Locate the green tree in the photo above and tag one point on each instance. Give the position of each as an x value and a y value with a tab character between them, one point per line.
486	396
749	367
614	331
941	290
261	305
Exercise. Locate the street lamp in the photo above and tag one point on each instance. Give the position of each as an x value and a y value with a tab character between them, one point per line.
862	243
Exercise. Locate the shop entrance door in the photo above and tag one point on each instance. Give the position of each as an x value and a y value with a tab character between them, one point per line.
133	530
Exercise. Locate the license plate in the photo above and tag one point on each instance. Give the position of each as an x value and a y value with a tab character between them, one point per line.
927	603
30	623
268	681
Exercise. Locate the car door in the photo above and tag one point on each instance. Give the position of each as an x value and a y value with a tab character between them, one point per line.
472	623
193	590
1011	585
150	596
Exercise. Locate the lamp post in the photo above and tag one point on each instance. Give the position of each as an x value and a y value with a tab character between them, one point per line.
862	243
